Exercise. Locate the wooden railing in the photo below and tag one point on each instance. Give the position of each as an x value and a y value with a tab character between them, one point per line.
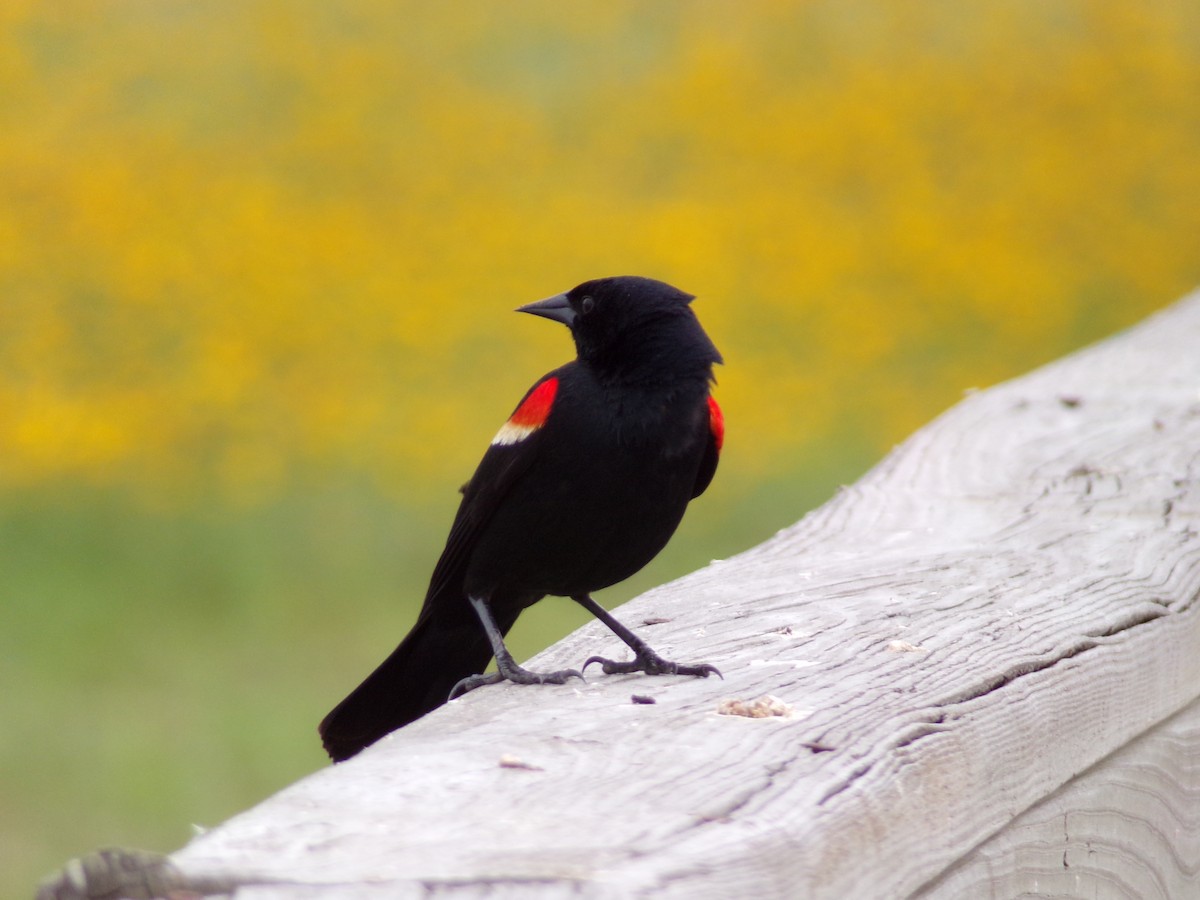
985	665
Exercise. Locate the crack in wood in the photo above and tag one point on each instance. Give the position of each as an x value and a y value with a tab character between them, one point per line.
1187	604
935	722
726	812
1132	620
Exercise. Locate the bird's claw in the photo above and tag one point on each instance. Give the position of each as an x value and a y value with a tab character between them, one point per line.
652	664
516	675
474	681
559	677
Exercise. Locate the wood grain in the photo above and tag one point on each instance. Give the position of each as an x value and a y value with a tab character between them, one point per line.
1127	828
966	640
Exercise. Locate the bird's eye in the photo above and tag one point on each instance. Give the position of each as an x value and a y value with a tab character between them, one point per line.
586	305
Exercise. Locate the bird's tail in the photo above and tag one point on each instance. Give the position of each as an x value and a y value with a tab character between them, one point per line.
443	647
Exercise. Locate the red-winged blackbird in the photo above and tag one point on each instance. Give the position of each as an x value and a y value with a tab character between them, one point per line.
581	487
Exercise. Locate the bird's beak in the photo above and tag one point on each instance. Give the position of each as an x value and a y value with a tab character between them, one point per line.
557	308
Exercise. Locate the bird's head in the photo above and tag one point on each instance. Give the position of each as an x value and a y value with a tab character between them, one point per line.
629	325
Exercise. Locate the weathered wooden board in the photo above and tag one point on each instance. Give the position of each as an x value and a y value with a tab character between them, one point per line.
1127	828
1007	600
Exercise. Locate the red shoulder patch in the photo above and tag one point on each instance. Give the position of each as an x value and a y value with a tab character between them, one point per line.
530	415
716	421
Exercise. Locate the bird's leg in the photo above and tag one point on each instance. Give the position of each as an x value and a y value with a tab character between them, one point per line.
645	659
507	668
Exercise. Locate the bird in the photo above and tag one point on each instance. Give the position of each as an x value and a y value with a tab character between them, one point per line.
584	483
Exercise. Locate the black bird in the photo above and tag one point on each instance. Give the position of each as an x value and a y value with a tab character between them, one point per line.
581	487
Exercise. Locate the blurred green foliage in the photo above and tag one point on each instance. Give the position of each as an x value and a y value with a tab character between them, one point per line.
256	266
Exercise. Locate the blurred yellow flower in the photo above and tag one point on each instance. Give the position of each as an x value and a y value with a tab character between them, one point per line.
243	240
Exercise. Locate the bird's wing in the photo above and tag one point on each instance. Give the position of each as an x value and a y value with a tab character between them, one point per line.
712	449
512	451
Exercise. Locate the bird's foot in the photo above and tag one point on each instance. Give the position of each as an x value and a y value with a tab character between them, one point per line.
516	675
652	664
